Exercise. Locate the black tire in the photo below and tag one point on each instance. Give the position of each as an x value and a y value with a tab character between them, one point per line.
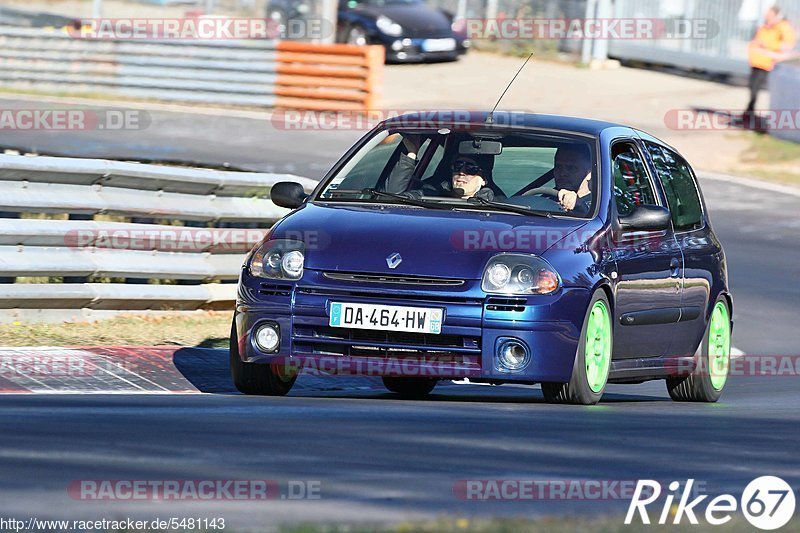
578	391
254	378
697	386
410	387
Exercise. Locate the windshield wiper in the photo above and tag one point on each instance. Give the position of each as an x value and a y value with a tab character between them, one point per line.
510	207
375	193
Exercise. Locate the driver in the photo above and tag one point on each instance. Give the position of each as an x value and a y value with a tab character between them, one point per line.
573	173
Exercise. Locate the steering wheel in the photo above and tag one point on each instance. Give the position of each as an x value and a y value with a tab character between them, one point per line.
544	191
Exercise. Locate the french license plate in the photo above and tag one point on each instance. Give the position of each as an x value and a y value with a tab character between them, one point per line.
386	317
439	45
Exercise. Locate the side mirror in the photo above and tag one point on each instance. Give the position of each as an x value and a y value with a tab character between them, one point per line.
646	218
289	194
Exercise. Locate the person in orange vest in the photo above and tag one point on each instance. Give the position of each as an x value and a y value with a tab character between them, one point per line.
774	42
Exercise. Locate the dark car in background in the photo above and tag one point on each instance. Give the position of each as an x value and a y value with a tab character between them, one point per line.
410	30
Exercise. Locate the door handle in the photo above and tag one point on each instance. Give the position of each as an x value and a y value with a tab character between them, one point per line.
674	268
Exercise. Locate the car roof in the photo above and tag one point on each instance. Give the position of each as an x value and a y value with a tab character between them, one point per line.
456	118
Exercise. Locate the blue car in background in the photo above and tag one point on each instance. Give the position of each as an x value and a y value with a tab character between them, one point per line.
497	248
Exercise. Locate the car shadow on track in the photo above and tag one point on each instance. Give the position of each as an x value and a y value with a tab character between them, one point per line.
207	370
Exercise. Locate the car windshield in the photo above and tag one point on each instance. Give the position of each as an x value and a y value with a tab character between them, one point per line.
491	170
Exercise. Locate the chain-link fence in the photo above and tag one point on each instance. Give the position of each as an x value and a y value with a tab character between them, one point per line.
518	9
726	51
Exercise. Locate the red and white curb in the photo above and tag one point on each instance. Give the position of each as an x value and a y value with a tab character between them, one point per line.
106	370
138	370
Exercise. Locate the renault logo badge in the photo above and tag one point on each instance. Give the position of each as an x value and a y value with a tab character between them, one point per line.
394	260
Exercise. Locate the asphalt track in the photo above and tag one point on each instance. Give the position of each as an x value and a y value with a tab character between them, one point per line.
379	458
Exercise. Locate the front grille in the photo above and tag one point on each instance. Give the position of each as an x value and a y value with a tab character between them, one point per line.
346	341
516	305
396	337
406	298
391	278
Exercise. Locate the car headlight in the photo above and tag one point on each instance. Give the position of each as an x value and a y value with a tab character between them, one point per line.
278	259
519	274
388	26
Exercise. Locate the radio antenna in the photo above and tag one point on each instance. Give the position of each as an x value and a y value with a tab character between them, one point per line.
490	117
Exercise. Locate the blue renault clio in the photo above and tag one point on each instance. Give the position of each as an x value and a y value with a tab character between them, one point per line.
494	248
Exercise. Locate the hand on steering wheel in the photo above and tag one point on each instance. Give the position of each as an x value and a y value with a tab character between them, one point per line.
565	198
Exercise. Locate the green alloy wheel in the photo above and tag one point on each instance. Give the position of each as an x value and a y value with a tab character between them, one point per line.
719	346
712	361
597	352
592	360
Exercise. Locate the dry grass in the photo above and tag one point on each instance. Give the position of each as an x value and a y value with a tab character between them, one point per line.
208	329
772	159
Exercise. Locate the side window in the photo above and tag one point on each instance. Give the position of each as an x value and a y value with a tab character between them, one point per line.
632	186
679	186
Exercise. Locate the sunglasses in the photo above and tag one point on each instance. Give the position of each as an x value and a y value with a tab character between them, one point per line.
466	167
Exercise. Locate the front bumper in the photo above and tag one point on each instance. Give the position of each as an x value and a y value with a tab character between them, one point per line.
413	50
474	325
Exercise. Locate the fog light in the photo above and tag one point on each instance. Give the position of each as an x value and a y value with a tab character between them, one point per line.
397	45
268	337
512	355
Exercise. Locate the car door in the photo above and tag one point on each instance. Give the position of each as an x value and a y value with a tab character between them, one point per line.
702	253
649	263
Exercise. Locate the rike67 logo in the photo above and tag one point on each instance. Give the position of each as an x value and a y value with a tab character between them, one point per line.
768	503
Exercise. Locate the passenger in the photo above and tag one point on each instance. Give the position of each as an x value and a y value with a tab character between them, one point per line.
470	176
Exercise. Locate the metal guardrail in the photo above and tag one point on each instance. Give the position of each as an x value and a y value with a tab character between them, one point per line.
260	73
217	216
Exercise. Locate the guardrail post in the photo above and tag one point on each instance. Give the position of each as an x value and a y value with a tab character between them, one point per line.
139	281
77	279
8	214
